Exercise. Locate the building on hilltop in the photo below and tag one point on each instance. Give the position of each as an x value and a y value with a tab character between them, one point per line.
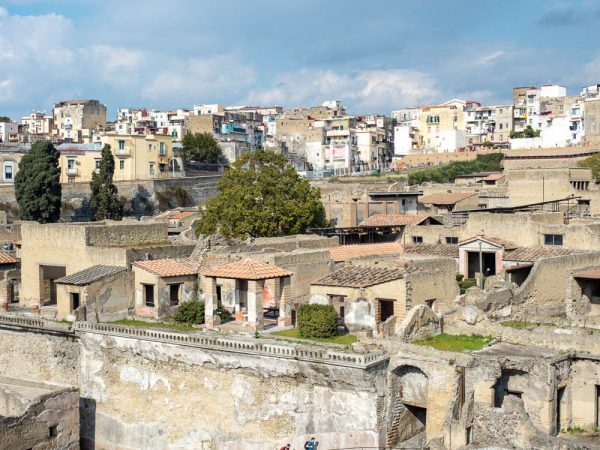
78	120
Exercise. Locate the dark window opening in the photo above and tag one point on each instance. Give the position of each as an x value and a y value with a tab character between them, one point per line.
430	303
74	300
451	240
149	295
553	239
219	294
469	435
417	239
174	294
386	309
53	431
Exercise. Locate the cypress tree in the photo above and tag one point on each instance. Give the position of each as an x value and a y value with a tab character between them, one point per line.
37	184
104	200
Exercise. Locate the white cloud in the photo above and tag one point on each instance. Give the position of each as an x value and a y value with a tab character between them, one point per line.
368	90
490	58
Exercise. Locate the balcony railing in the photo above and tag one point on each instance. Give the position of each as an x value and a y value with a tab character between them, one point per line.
73	171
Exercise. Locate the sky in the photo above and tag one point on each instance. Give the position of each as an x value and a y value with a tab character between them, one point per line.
375	56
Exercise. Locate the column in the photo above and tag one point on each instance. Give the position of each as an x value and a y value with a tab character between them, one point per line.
5	292
255	304
209	286
285	307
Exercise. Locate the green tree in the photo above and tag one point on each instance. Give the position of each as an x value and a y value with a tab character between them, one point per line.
261	195
37	184
202	147
4	119
105	201
593	162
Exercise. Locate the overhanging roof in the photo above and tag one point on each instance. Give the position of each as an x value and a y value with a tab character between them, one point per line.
590	275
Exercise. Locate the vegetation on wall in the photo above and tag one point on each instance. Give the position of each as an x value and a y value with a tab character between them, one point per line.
105	201
37	184
526	133
201	147
593	162
317	321
261	195
490	162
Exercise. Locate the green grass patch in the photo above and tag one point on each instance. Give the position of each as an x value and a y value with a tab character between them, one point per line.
574	430
343	339
466	284
455	343
163	324
518	324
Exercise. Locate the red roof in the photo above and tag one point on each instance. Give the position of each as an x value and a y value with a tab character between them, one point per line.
248	269
389	220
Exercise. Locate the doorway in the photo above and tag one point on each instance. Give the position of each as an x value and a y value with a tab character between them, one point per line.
560	393
74	300
386	309
488	264
48	275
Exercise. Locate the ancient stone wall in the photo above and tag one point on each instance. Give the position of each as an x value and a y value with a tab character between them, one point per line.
157	390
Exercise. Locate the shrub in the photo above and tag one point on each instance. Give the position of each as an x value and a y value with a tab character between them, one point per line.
317	321
459	277
190	312
466	284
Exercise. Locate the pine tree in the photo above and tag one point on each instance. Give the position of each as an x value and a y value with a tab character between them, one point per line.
37	184
105	201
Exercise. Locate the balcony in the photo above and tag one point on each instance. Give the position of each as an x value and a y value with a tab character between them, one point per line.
337	133
72	172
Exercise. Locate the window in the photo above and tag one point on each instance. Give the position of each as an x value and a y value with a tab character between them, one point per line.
151	168
174	294
122	164
70	164
53	431
149	147
161	148
97	165
121	144
553	239
149	295
451	240
8	172
417	239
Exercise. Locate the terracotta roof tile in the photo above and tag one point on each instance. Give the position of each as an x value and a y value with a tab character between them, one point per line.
388	220
360	277
7	258
444	198
346	252
494	177
446	250
168	267
181	214
248	269
533	254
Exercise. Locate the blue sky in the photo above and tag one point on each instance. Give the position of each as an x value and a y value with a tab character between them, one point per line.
374	55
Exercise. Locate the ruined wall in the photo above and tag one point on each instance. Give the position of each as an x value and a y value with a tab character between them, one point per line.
435	280
153	394
48	421
118	234
549	281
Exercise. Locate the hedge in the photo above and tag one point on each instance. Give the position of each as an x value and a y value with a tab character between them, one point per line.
317	321
190	312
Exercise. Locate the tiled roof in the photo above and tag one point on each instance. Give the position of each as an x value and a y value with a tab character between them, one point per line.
181	214
443	198
248	269
90	275
390	220
346	252
7	258
494	177
447	250
533	254
494	240
360	277
169	267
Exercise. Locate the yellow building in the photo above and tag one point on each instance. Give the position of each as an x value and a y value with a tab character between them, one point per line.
442	127
137	157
